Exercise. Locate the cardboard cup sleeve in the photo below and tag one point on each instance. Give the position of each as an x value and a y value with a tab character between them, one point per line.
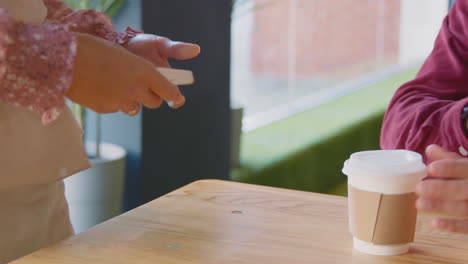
382	219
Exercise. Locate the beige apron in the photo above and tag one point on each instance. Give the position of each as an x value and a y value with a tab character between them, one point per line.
32	217
33	161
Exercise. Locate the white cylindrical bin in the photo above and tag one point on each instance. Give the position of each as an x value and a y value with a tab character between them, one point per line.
95	195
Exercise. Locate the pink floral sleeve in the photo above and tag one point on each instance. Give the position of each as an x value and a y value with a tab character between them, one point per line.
87	21
36	64
36	61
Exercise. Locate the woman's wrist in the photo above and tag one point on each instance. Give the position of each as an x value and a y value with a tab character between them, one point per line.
122	38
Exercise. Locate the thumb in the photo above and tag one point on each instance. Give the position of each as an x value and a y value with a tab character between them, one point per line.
178	50
435	152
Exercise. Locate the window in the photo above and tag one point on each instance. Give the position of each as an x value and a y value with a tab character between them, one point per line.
291	55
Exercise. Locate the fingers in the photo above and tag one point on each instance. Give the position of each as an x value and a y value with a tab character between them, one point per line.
165	90
443	207
177	50
443	189
147	98
131	108
150	100
447	194
445	164
435	152
151	88
449	169
451	225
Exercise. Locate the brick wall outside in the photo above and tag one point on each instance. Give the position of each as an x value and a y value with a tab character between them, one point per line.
331	35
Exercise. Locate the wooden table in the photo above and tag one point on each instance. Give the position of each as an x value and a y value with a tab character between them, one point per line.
224	222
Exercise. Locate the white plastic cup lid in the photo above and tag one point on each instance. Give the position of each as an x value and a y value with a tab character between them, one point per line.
385	171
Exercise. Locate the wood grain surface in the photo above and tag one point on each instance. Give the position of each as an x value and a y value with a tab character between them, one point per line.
218	222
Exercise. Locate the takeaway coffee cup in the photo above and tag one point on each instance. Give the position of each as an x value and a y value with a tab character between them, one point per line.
381	199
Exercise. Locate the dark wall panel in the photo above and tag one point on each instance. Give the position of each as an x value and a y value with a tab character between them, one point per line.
181	146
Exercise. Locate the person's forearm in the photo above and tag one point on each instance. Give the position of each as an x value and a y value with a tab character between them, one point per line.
417	120
428	109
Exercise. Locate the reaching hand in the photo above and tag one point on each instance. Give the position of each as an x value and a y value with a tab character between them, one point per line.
107	78
445	193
